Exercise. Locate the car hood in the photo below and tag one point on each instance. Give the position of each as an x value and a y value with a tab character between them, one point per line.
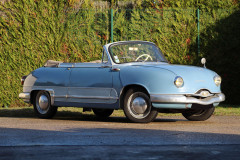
182	70
186	71
195	78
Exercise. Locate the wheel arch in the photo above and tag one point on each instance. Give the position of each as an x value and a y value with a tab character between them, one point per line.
35	91
130	86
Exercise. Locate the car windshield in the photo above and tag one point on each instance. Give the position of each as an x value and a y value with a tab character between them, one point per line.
136	52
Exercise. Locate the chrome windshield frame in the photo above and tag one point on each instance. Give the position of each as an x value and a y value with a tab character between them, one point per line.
132	42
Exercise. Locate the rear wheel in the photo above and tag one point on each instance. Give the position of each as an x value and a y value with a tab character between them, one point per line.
102	113
198	115
42	105
137	106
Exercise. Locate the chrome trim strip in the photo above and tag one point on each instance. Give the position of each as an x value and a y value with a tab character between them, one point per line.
85	65
156	98
183	93
66	65
89	65
62	96
46	87
90	97
110	61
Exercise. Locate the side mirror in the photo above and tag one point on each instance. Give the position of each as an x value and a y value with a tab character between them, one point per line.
203	61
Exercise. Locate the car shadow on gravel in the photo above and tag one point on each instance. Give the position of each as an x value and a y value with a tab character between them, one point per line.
109	135
75	116
119	143
199	152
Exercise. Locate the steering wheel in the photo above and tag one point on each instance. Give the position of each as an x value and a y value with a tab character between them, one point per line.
146	55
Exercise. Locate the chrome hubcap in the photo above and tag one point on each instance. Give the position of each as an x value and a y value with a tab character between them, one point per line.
43	103
139	105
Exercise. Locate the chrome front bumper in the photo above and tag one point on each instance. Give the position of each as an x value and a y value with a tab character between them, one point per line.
182	99
25	97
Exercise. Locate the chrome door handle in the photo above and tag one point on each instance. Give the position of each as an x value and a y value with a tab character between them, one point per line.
116	69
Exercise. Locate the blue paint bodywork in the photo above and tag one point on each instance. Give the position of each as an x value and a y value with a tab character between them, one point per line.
159	78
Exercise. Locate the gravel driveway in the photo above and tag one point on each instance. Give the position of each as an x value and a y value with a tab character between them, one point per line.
218	136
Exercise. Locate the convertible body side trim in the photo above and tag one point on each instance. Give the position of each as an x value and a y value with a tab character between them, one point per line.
82	95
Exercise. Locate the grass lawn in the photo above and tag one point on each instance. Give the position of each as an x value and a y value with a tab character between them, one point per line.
225	109
228	110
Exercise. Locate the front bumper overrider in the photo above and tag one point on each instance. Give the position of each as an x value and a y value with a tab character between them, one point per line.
186	99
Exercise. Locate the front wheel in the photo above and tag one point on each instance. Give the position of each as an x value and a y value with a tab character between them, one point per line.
198	115
137	107
42	105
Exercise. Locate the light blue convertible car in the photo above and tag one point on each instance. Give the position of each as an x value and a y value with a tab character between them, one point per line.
133	76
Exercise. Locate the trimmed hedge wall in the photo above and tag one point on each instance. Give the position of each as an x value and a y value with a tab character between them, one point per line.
31	32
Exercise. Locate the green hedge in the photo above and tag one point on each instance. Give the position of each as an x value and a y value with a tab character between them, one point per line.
220	44
31	32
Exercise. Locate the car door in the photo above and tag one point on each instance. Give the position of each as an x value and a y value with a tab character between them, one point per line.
92	83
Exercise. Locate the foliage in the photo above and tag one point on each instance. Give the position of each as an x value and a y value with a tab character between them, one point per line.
33	31
169	26
210	4
220	39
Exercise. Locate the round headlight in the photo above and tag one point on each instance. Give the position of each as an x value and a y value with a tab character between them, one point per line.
217	80
178	81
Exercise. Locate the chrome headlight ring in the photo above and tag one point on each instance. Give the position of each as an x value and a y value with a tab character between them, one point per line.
217	80
178	81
